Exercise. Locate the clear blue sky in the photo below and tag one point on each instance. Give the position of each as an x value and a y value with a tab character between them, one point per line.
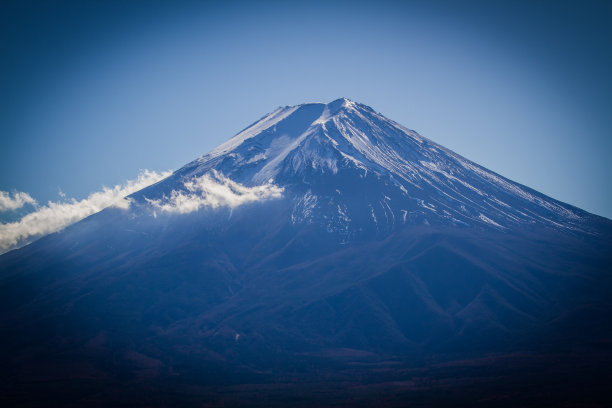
91	92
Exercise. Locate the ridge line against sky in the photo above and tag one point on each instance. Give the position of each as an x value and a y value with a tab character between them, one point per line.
521	88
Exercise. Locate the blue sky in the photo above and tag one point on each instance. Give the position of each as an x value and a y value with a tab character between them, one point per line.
93	92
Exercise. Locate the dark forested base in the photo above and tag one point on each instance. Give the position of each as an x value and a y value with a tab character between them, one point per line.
577	379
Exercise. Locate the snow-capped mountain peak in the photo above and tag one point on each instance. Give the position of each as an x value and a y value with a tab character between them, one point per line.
343	129
360	170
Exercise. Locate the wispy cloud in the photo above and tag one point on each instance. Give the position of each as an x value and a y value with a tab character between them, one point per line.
214	190
18	200
57	215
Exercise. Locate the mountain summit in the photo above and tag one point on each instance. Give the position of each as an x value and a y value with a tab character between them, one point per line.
349	167
325	255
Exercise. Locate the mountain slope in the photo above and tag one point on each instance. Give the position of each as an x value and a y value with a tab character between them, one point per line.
323	241
352	164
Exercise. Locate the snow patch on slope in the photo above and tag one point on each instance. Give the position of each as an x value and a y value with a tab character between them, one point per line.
281	150
265	123
489	221
304	208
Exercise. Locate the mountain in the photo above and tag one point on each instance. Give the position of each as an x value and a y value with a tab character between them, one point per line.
325	255
364	171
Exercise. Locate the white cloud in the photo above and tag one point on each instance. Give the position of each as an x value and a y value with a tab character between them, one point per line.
214	190
57	215
18	200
